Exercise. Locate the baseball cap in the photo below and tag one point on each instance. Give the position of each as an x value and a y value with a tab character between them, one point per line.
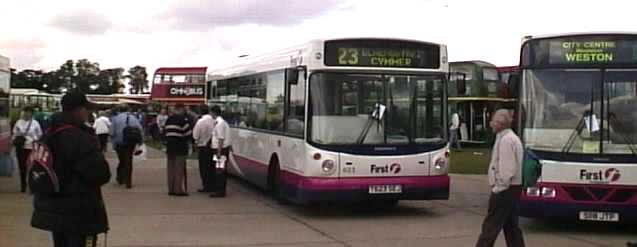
73	100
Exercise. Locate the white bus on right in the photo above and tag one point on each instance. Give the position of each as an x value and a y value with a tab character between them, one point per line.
577	117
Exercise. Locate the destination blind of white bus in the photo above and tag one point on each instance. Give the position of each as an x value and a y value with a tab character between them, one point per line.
378	57
592	51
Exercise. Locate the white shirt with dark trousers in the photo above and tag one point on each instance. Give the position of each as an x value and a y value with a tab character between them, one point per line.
29	129
202	132
102	126
505	179
221	131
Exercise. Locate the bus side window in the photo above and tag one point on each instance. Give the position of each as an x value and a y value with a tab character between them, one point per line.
296	106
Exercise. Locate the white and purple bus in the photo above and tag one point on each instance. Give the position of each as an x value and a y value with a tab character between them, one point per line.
340	120
578	120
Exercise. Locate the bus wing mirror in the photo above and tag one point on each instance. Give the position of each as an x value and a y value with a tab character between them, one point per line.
292	74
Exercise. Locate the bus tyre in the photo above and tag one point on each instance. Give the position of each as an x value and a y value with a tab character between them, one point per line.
275	182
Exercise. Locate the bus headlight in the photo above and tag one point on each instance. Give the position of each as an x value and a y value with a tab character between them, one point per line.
548	192
328	167
533	191
440	164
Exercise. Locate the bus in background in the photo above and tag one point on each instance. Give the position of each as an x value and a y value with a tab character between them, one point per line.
510	76
340	120
475	92
578	120
172	85
5	87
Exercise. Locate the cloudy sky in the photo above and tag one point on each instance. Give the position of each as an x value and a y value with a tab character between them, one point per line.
123	33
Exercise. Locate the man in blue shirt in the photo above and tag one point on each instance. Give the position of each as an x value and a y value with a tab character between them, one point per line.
124	150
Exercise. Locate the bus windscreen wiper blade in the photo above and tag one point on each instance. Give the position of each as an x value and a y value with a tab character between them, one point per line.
377	114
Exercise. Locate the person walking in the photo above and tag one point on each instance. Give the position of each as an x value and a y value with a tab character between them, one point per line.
178	133
161	124
102	128
124	147
25	131
221	143
76	214
505	179
454	128
202	133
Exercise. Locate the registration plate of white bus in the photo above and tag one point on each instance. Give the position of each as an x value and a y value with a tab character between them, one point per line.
386	189
599	216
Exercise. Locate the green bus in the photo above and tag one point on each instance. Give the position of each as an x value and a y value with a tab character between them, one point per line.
476	91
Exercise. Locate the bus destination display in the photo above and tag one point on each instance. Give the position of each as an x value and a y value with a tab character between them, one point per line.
592	51
382	53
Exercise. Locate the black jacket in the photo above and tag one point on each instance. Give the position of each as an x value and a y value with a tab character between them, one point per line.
82	169
178	132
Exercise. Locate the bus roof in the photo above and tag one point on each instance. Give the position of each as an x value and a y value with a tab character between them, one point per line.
181	70
477	62
558	35
503	69
283	58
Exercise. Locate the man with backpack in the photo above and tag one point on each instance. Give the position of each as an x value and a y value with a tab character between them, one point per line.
126	134
67	199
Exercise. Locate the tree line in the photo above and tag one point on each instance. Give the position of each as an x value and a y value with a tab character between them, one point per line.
84	76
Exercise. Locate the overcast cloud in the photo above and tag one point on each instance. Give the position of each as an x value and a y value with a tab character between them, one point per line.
204	15
84	22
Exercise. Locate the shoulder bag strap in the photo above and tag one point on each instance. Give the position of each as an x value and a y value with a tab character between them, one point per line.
26	131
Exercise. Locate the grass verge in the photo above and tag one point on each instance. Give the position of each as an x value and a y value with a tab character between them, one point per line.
470	161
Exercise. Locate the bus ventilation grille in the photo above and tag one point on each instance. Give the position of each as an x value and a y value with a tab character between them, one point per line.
593	194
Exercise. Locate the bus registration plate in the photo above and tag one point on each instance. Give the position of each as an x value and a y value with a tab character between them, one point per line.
386	189
599	216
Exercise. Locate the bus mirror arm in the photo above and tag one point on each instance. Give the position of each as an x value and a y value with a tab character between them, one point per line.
302	69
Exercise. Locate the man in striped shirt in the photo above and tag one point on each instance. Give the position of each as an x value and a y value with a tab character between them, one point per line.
177	132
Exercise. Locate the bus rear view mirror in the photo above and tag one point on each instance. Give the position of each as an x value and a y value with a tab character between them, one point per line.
292	76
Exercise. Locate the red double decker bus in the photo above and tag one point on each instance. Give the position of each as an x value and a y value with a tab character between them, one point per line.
173	85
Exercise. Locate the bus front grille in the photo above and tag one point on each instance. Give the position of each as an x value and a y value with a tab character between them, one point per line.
599	194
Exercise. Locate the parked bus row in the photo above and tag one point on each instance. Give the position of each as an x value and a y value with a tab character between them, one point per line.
364	119
367	119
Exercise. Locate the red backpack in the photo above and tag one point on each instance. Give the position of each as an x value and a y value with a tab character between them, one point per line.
41	176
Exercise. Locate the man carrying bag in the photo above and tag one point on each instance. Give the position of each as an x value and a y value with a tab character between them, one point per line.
221	142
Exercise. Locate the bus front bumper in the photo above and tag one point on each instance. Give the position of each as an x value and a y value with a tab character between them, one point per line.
310	190
546	209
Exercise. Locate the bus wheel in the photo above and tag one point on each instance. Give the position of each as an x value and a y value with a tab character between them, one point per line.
275	181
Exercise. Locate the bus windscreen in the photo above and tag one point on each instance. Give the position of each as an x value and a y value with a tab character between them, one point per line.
582	51
382	53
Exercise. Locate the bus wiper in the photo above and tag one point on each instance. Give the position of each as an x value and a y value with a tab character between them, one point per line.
377	114
576	132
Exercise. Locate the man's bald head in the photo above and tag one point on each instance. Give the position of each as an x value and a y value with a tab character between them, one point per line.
501	120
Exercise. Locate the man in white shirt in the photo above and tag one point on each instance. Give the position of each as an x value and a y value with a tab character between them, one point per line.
221	141
25	131
505	180
453	130
102	128
202	133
